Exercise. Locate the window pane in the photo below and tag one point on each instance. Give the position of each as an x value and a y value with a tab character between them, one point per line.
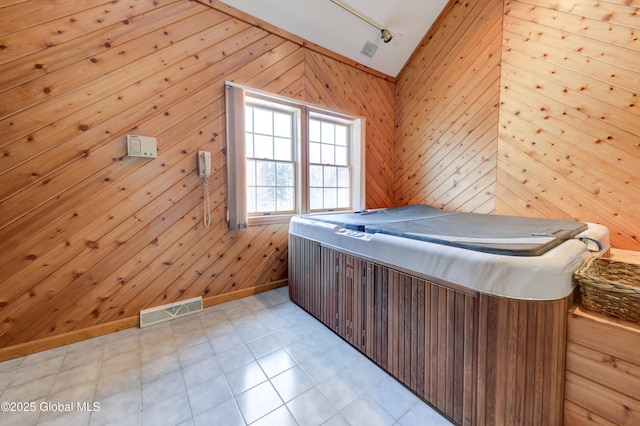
262	121
282	149
344	180
330	175
314	153
248	119
328	133
315	198
344	197
265	173
315	176
341	155
314	130
285	200
263	146
282	125
251	199
284	174
330	198
249	145
328	154
266	199
251	173
341	135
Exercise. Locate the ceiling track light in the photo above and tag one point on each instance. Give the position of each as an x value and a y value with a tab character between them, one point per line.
385	34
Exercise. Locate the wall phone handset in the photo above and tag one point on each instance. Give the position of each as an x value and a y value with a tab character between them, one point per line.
204	164
204	171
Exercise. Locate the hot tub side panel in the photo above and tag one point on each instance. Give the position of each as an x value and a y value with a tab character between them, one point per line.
479	359
430	342
420	332
521	361
304	270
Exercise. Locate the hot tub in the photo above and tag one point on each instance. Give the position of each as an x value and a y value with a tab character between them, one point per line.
467	310
515	257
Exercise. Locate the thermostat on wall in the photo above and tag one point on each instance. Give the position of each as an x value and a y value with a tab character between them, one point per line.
142	146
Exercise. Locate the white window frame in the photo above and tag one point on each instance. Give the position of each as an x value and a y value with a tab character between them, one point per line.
295	115
235	97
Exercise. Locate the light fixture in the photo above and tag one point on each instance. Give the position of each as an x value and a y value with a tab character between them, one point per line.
385	34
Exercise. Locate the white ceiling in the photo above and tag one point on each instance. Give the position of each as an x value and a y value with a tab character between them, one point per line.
325	24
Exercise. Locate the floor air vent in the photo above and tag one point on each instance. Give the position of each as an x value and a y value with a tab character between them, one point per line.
171	311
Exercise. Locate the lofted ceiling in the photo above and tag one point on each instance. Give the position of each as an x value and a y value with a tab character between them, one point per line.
328	25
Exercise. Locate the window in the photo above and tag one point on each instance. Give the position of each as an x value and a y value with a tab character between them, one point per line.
270	162
286	158
329	166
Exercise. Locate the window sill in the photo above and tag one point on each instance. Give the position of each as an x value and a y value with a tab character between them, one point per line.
269	219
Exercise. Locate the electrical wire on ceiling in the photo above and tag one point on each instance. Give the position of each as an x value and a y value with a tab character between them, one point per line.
385	34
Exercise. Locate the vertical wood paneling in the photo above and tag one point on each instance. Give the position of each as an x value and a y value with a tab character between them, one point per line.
569	115
306	269
428	344
446	112
478	358
90	236
350	275
521	360
329	288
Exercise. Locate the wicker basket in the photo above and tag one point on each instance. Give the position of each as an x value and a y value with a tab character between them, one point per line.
611	287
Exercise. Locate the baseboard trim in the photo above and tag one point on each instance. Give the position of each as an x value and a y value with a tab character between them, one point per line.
239	294
40	345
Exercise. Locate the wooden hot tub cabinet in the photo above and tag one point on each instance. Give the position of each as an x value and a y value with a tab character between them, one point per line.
478	359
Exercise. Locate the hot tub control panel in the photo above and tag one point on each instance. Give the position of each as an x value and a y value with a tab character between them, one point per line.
354	234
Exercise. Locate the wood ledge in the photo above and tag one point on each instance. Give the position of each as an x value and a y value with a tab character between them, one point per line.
578	311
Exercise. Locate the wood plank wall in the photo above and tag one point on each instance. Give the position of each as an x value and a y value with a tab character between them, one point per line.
603	370
533	113
89	236
447	104
569	116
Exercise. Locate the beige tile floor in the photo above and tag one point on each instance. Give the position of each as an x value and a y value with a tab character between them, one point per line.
260	360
